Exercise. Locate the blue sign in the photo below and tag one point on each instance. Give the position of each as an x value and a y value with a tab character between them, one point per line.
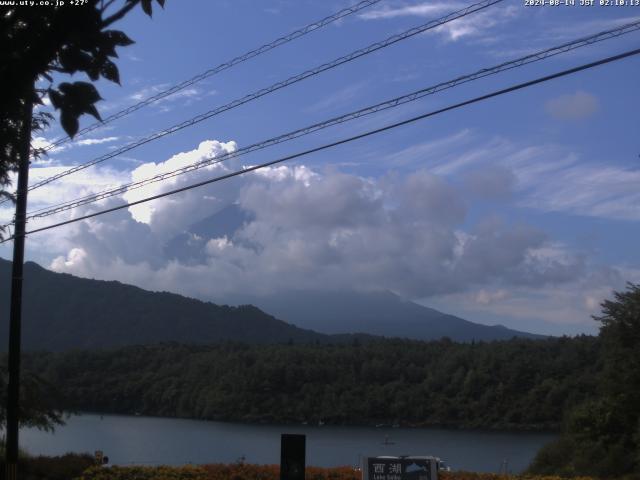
400	468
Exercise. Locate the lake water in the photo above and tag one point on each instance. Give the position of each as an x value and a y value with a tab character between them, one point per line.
151	441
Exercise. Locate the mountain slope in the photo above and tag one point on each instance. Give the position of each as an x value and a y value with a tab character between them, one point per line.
61	311
333	312
376	313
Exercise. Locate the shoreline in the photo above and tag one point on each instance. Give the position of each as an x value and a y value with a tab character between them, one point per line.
381	426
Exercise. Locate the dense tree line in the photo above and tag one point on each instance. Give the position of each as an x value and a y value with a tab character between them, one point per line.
601	436
518	384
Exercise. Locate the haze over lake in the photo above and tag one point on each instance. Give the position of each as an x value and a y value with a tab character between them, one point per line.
152	441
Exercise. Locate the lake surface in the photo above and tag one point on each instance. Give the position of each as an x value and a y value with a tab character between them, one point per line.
130	440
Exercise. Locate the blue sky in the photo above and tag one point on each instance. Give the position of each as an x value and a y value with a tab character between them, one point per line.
521	210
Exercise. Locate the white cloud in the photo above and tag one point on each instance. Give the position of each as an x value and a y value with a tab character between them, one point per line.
309	229
147	92
543	177
586	189
281	173
339	98
421	153
478	24
96	141
555	309
396	9
576	106
186	96
42	142
206	150
485	297
45	143
75	257
304	228
216	245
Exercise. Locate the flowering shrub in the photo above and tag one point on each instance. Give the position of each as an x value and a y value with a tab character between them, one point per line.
495	476
220	471
145	473
241	471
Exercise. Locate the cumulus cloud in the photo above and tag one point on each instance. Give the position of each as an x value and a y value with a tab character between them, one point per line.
485	297
303	228
576	106
76	256
293	227
144	212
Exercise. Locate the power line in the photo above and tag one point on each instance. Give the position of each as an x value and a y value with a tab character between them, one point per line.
503	91
277	86
223	66
525	60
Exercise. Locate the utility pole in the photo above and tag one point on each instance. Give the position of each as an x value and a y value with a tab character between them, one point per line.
15	318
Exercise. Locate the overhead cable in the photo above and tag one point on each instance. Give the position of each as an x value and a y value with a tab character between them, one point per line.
276	86
394	102
223	66
243	171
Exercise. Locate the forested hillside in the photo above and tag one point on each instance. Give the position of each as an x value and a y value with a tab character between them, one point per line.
519	384
63	312
601	436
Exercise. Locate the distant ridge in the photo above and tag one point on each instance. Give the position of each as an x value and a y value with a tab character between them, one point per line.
62	312
334	312
376	313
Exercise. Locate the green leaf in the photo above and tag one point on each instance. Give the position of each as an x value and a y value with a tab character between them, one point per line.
73	60
93	111
36	99
108	47
56	98
73	100
93	72
80	92
110	71
69	122
118	38
146	6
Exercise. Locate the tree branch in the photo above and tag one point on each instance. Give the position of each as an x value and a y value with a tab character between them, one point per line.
119	14
107	5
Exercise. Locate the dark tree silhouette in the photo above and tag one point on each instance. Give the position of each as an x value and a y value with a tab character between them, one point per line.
40	42
602	435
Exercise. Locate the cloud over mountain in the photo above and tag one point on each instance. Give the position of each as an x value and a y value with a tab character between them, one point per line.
309	229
